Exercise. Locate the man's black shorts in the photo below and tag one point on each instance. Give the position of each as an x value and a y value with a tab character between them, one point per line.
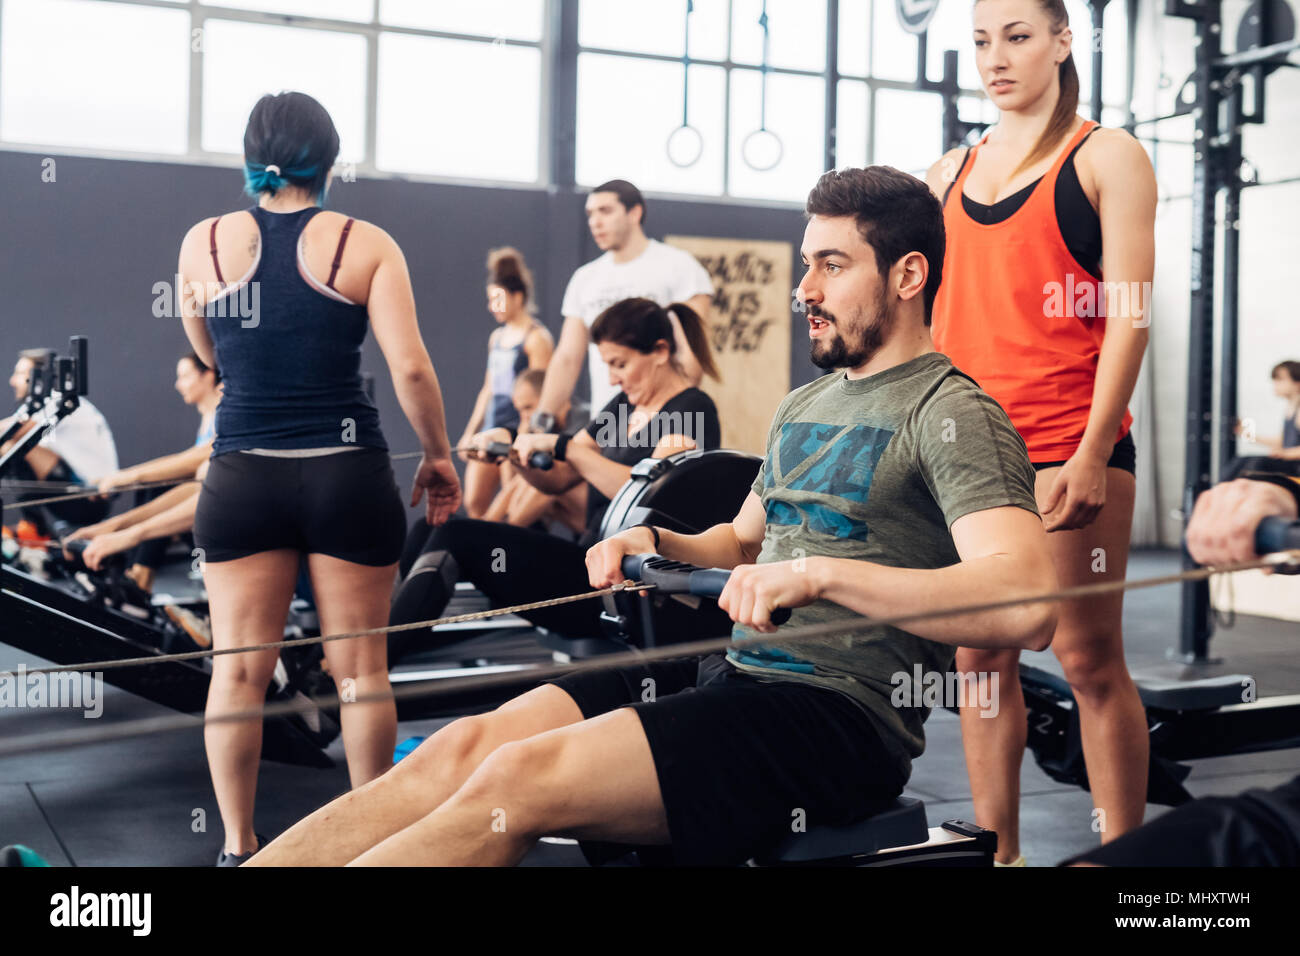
741	760
345	505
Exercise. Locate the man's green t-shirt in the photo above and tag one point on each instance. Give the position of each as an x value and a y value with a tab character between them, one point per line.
877	469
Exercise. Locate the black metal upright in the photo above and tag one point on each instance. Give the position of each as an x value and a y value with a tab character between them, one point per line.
1228	160
1219	114
1194	628
955	130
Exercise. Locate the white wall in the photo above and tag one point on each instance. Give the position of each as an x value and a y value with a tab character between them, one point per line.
1268	327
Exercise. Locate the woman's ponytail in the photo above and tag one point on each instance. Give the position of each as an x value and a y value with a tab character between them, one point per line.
697	337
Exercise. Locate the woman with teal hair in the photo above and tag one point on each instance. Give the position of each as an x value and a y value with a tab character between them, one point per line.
281	297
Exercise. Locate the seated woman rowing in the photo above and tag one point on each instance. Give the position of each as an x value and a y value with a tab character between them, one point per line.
657	413
518	502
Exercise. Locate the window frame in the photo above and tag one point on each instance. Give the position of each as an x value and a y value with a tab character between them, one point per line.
557	111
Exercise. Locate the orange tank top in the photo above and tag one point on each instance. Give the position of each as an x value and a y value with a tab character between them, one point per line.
1021	316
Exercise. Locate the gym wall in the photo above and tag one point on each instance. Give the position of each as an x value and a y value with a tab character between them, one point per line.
82	254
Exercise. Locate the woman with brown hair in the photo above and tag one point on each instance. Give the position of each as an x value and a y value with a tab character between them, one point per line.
519	344
656	413
1030	214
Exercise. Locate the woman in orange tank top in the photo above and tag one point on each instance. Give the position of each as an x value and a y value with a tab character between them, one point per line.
1024	311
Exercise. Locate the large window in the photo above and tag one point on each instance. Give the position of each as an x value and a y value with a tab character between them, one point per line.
415	87
753	133
629	119
731	101
55	88
457	108
327	65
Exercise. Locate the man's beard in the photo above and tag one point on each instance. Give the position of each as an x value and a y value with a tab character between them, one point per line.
869	334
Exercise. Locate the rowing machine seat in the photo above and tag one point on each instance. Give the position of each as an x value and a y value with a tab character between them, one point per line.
893	823
1208	693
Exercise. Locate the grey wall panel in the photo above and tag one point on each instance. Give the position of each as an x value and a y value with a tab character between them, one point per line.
82	254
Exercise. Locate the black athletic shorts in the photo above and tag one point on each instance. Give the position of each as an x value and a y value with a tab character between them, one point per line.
1123	457
345	505
740	760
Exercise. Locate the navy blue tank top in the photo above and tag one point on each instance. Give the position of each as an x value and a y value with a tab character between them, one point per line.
289	354
1290	431
505	363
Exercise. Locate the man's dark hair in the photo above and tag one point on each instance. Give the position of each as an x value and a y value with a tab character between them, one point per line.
896	214
628	195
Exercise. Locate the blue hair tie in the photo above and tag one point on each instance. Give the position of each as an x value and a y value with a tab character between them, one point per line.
259	178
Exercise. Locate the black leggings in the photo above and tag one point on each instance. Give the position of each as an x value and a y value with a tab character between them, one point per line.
513	565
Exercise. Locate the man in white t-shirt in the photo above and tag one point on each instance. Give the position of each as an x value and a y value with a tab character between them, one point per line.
633	266
79	449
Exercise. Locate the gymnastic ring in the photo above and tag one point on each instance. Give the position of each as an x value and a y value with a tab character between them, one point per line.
693	136
749	140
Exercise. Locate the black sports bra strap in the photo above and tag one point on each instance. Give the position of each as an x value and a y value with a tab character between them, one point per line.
956	176
1078	145
338	254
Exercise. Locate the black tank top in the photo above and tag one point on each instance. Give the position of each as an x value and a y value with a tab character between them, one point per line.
291	364
1079	223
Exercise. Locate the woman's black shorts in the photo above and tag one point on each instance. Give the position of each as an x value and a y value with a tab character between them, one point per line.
345	505
741	761
1123	456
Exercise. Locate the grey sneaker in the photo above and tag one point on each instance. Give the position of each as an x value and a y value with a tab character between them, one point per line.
232	859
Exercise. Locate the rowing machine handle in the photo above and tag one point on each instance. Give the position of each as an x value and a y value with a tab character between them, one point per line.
1277	534
77	549
540	460
677	577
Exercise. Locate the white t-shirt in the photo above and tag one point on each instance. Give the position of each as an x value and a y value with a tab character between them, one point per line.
661	273
85	442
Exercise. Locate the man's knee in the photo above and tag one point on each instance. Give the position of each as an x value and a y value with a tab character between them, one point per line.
521	779
450	748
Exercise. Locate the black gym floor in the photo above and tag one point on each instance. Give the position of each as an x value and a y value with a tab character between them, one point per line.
149	801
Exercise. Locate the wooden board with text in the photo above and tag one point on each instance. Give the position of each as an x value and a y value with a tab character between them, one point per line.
749	332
